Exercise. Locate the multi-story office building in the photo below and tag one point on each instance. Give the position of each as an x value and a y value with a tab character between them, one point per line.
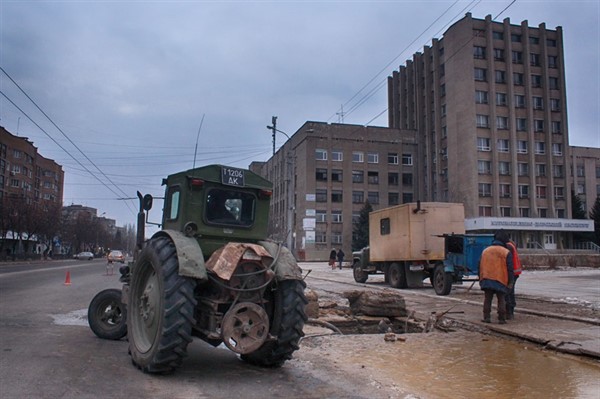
324	174
27	174
488	102
585	169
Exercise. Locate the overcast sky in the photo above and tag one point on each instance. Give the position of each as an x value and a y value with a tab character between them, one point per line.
128	82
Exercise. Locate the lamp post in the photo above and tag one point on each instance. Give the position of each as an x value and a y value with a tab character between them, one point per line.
290	239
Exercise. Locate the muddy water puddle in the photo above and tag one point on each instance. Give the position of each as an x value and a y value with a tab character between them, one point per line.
457	365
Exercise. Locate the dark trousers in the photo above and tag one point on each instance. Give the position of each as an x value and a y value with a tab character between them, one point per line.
511	301
487	304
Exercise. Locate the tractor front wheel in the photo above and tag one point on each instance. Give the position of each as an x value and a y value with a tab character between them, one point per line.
107	315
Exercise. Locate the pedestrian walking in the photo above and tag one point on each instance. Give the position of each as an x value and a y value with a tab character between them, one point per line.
496	276
340	257
332	257
511	301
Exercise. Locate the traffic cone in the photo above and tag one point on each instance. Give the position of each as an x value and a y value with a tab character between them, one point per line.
68	278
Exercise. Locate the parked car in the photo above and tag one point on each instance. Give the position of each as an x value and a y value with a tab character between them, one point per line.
84	255
116	256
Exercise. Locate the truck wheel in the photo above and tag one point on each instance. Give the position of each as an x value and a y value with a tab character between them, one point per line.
288	318
397	275
161	304
442	281
107	315
359	275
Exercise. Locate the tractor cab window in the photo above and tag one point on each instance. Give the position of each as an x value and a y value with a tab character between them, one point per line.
173	203
230	207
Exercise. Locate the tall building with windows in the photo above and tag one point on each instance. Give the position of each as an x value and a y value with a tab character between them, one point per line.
488	102
323	175
585	169
25	173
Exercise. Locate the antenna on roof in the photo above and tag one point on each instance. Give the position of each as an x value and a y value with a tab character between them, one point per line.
197	137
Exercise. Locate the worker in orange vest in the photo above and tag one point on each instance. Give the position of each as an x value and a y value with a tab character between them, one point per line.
511	301
496	276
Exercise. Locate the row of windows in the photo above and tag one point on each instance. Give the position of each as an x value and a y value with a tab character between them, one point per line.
481	75
486	211
321	238
358	176
503	145
514	37
358	197
504	191
484	167
482	97
359	157
539	126
479	52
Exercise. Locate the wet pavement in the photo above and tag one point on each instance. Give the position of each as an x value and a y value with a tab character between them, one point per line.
568	333
540	354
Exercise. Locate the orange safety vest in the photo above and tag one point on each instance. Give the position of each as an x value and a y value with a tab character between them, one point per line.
517	267
493	264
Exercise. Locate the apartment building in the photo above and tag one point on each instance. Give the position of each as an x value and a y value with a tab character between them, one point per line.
324	174
488	103
26	173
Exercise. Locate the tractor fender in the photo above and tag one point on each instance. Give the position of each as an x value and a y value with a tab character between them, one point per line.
285	265
189	254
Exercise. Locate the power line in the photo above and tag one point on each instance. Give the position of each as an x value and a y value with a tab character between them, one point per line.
393	60
63	133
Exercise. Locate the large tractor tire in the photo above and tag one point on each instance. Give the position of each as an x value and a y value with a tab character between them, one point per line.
397	275
107	315
442	281
161	309
360	276
287	321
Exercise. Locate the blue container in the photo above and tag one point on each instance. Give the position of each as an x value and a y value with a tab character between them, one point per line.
463	252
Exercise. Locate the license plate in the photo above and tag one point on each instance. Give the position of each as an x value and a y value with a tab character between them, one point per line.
416	268
232	177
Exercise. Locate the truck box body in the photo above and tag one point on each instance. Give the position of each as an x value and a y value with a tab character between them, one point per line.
412	231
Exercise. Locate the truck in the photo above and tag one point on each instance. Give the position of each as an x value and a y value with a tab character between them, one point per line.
412	242
209	272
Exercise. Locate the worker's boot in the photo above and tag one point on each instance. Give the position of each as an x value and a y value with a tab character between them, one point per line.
486	318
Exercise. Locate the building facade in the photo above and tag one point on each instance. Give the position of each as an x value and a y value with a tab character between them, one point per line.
26	173
324	174
488	102
31	192
585	169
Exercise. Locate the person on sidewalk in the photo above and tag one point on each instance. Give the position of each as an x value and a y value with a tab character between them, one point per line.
496	276
340	257
511	301
332	256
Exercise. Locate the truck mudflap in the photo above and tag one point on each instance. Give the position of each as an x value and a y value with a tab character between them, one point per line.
189	254
285	265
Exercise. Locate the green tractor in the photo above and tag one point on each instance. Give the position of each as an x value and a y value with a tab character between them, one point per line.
209	273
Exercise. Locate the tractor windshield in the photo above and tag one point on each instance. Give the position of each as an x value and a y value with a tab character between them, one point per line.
230	207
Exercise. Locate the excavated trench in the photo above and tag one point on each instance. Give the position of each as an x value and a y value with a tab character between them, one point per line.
360	312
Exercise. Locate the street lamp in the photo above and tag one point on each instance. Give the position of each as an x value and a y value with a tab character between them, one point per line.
289	194
274	129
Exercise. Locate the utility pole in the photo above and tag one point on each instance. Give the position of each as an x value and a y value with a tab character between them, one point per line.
274	122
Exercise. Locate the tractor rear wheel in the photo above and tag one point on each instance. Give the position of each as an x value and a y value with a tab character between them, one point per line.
161	309
288	318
